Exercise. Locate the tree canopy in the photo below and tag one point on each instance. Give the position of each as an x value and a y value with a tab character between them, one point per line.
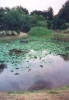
19	19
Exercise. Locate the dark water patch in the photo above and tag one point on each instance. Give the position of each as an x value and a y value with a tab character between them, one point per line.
40	85
65	56
15	51
16	74
2	66
41	65
29	70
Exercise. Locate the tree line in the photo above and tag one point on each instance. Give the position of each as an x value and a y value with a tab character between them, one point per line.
19	19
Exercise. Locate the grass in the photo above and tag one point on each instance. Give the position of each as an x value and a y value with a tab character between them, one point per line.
40	31
61	37
50	91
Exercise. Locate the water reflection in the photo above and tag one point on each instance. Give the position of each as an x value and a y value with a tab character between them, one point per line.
65	56
48	72
2	66
41	84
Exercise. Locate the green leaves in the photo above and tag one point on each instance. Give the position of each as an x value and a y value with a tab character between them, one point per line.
35	49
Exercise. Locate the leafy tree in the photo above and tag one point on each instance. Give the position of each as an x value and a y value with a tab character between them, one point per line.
64	12
15	20
20	9
57	22
7	9
1	15
34	19
42	23
48	15
64	26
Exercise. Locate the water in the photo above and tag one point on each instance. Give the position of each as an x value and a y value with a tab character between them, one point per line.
45	73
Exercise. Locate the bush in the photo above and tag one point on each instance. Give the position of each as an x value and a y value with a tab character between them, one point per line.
40	31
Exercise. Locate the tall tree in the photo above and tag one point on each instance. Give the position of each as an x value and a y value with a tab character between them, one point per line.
50	13
1	15
64	12
21	9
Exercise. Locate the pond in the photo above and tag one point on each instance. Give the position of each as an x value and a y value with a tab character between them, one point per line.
34	65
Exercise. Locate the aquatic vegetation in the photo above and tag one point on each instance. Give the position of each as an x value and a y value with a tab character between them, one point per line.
15	53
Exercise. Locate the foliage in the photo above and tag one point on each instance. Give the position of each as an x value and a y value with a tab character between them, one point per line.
1	15
18	18
40	31
42	24
62	17
35	48
35	19
61	37
21	10
64	26
14	20
57	23
64	12
48	15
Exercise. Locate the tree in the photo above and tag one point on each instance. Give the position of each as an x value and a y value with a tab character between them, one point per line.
50	13
1	15
64	26
42	24
20	9
64	12
15	20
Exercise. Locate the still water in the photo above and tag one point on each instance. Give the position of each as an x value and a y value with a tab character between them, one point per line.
48	72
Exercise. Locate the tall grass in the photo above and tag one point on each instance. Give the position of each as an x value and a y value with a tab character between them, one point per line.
39	31
61	37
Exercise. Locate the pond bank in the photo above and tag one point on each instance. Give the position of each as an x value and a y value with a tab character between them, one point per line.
58	94
13	37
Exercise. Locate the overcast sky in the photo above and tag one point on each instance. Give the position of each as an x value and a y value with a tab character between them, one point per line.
31	5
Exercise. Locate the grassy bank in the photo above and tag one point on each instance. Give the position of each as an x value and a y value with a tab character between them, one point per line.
61	37
54	94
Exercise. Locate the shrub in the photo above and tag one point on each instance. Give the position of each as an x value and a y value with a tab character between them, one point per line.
40	31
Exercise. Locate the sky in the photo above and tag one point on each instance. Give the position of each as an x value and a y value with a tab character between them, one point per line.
32	5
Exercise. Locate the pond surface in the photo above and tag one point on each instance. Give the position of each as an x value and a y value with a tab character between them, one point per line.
51	71
33	64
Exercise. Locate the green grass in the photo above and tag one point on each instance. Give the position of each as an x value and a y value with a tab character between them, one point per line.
61	37
50	91
39	31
